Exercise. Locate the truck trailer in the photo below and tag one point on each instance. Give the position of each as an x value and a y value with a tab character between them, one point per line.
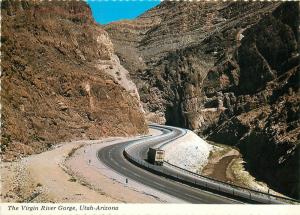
156	156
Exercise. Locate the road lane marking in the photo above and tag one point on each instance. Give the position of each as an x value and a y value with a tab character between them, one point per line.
136	175
194	197
159	184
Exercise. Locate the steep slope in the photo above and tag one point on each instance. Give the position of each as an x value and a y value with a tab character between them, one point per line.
229	71
59	79
169	50
259	90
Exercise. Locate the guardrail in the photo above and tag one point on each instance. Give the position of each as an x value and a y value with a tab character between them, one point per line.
203	182
256	192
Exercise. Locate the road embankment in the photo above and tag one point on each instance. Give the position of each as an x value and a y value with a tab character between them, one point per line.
189	152
69	172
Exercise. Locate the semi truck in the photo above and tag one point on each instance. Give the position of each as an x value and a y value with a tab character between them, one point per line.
156	156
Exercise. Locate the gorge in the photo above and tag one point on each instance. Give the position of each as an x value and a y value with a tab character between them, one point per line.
229	71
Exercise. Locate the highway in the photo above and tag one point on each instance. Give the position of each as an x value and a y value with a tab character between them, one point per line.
112	156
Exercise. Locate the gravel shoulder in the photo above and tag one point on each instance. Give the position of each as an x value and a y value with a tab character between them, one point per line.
71	172
42	178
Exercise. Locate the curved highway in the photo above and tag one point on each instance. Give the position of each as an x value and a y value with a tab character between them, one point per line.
113	157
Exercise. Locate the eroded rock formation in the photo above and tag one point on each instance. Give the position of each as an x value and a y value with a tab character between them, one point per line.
58	81
229	71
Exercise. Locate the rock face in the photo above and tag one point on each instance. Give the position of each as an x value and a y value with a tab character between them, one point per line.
261	99
170	49
58	79
229	71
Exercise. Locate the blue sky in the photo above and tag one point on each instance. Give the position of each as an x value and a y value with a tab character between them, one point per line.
108	11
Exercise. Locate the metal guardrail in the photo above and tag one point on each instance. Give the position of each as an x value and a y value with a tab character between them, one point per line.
200	181
235	186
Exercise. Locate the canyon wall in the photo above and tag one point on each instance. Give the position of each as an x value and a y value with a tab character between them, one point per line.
227	70
60	79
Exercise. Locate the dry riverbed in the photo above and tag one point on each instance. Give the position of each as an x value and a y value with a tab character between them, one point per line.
71	172
226	164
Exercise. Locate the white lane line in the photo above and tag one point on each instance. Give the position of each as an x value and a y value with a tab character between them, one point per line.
136	175
194	197
114	162
156	192
158	184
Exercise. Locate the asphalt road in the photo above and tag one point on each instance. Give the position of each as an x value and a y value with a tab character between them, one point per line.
112	156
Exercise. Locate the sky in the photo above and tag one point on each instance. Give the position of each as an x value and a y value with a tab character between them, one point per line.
108	11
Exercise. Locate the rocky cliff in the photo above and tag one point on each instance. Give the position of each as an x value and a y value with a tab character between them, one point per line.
229	71
60	79
258	90
170	49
